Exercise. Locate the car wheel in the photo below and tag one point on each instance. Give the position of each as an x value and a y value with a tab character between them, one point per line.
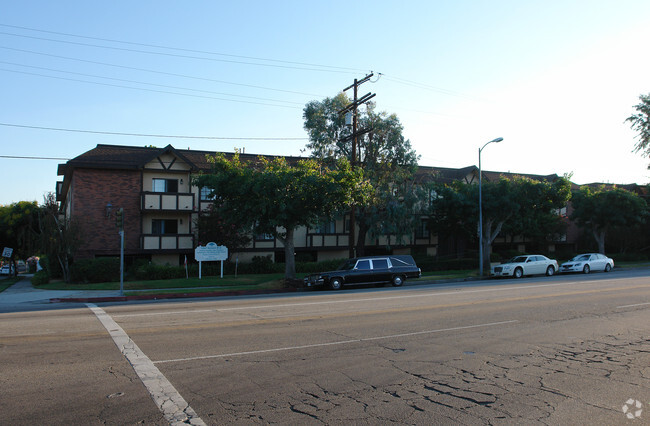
608	267
336	284
550	271
586	269
397	281
518	273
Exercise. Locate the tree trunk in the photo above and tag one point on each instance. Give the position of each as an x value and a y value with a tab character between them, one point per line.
599	235
488	238
362	227
289	255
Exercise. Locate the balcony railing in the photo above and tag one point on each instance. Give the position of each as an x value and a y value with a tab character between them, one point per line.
167	201
167	241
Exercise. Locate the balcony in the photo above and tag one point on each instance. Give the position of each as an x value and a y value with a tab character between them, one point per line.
167	201
167	241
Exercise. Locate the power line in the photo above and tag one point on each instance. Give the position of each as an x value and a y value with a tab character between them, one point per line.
18	157
178	49
147	83
148	135
202	58
160	72
147	90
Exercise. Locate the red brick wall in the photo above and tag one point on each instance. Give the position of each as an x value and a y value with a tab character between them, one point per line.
91	191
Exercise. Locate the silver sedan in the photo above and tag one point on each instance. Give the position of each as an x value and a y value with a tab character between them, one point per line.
532	264
588	262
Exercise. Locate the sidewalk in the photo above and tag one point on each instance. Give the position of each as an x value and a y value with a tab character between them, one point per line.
24	292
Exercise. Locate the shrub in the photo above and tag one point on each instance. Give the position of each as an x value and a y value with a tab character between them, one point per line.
41	277
98	270
52	266
152	271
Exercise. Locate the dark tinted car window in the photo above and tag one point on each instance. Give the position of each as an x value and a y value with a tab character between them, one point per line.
380	263
363	264
347	265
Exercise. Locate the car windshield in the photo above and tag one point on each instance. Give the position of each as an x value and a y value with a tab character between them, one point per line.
581	257
347	265
518	259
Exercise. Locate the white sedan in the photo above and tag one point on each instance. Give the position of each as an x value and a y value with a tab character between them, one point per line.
588	262
531	264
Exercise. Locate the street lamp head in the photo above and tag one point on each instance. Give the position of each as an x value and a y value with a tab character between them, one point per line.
109	208
497	140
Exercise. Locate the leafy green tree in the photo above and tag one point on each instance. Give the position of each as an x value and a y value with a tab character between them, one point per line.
517	206
19	228
274	197
215	227
603	210
59	237
641	123
386	157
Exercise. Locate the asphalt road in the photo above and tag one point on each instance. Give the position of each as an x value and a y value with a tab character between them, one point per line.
549	350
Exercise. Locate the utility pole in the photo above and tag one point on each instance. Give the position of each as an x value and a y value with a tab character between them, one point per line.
355	142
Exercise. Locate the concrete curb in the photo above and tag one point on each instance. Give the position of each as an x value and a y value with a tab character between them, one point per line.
170	296
231	293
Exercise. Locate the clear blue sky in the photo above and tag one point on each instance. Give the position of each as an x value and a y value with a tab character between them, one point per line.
555	79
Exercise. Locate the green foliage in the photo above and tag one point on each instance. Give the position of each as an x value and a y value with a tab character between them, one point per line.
41	277
518	206
52	266
604	210
223	230
640	122
19	228
98	270
388	161
275	197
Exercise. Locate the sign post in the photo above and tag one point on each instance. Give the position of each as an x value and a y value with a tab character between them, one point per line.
211	252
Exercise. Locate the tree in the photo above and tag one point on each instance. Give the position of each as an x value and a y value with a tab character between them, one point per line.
517	206
59	237
274	197
386	157
215	227
19	228
641	123
602	210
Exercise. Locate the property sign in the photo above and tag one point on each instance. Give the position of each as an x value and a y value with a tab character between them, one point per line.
7	252
211	252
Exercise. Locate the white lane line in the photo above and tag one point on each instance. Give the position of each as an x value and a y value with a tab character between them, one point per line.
633	306
163	313
173	406
340	342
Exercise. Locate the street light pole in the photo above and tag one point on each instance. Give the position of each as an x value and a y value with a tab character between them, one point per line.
480	207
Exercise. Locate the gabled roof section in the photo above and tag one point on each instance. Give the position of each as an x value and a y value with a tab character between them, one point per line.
121	157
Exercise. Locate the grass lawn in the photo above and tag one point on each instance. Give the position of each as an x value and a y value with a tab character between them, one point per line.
5	283
227	282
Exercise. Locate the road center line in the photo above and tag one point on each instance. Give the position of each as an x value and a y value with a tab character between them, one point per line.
340	342
173	406
419	294
633	306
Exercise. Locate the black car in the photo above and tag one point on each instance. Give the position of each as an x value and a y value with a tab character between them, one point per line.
367	270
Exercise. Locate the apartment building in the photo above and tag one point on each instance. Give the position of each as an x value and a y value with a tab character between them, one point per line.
153	187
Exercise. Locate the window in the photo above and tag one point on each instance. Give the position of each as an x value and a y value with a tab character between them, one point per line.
205	194
326	228
164	226
380	264
264	237
422	231
165	185
363	265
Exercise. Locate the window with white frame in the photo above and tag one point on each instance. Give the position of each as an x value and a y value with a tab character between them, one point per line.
165	185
